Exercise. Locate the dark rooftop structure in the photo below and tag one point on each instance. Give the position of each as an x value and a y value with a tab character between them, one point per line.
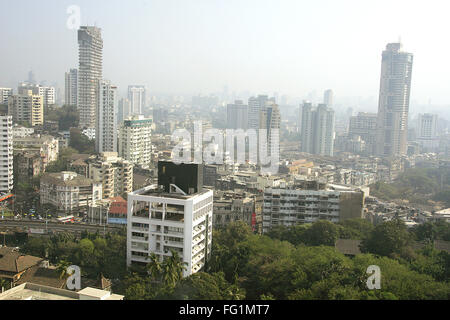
186	176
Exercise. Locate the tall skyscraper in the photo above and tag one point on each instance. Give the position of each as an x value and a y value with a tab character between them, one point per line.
89	73
328	98
106	124
135	143
136	95
31	77
6	152
255	106
393	104
123	110
237	115
317	133
71	87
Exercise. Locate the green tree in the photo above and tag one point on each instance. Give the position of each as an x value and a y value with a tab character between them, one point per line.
388	238
322	232
204	286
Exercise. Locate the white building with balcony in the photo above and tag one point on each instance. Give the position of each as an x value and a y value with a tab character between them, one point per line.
6	154
159	222
291	206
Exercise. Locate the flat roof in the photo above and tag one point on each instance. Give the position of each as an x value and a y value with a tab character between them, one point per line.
152	190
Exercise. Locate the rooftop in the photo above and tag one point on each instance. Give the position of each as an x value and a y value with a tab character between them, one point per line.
153	190
31	291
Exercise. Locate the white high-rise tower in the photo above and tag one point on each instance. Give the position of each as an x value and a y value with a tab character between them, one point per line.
393	104
89	73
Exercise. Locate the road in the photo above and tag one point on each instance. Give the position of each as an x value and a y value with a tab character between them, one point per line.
10	225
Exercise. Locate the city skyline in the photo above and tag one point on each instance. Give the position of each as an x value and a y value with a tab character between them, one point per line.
192	53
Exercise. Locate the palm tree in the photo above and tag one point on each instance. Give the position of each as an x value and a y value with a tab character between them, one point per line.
154	268
62	268
173	269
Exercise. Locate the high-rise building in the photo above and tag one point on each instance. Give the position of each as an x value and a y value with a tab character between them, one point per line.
393	104
5	93
6	153
427	132
27	107
106	124
47	93
123	110
317	130
115	174
427	126
256	105
31	77
175	215
135	140
89	73
71	87
364	125
136	96
328	98
237	115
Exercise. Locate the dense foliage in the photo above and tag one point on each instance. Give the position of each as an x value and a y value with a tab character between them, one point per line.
417	185
298	262
67	116
80	142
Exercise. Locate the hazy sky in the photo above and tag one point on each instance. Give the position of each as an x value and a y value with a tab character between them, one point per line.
198	46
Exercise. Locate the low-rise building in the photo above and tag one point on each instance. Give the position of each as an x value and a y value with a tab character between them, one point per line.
27	165
68	191
47	146
291	206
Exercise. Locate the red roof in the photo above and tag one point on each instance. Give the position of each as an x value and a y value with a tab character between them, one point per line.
118	206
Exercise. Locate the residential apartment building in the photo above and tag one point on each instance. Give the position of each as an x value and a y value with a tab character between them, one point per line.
6	154
47	93
427	126
27	165
135	140
27	107
71	87
89	73
22	132
233	206
317	130
255	106
68	191
291	206
171	217
106	124
136	96
5	93
237	115
393	104
364	125
47	146
115	174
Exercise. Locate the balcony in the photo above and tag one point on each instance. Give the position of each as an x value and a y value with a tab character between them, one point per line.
198	239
